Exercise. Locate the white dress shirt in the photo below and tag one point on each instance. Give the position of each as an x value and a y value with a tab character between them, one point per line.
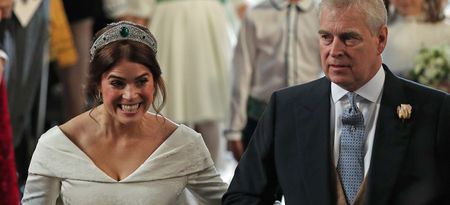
368	101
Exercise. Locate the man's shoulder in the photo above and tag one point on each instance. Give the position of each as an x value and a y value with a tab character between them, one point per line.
314	89
419	91
317	84
412	90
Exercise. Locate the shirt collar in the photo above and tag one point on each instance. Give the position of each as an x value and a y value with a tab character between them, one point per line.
303	5
370	91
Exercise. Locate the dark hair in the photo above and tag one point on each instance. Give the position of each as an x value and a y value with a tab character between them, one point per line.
433	9
108	56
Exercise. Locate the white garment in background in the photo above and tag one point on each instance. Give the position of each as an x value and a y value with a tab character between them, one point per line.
194	51
117	8
24	10
60	173
407	36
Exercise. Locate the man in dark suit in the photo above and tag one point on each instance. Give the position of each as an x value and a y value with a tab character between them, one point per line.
393	150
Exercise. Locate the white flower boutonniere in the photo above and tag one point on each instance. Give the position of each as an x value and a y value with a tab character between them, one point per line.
404	111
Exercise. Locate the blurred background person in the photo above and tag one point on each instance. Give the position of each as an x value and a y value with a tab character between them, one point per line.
194	55
235	11
63	58
81	15
9	190
136	11
447	10
278	46
25	40
413	25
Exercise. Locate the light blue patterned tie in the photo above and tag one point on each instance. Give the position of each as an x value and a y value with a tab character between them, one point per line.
351	157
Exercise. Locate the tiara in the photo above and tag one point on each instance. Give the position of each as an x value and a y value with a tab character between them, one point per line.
123	30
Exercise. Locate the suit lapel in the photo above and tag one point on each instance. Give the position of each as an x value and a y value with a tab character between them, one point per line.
313	136
390	143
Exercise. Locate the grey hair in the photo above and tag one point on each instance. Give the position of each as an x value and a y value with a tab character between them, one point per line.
374	11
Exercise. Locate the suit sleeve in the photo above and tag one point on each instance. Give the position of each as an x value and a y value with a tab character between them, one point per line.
255	181
443	144
242	71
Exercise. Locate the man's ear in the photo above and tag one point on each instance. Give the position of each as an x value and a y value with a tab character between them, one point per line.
382	39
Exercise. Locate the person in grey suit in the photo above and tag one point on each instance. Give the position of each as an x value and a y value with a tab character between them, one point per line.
401	156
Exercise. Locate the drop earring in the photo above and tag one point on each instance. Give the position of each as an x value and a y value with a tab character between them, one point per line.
99	98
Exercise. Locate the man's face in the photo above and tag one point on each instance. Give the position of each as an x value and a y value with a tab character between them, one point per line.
350	54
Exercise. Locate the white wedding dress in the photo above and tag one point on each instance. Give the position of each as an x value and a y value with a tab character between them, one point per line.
60	173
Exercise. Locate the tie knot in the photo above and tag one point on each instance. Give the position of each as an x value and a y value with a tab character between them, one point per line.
351	97
352	115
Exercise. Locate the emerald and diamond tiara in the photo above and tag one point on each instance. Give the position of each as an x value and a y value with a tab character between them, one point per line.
123	30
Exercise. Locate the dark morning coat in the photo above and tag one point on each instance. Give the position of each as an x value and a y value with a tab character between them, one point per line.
292	148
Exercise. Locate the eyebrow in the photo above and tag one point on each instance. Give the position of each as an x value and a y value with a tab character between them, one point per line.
323	32
350	33
121	78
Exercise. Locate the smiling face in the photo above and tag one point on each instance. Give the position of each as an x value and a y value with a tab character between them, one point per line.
350	53
127	90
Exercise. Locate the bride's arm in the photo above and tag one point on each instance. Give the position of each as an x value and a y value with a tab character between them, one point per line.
41	189
207	186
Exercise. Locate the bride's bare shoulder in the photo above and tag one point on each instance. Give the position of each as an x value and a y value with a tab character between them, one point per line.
165	125
77	126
